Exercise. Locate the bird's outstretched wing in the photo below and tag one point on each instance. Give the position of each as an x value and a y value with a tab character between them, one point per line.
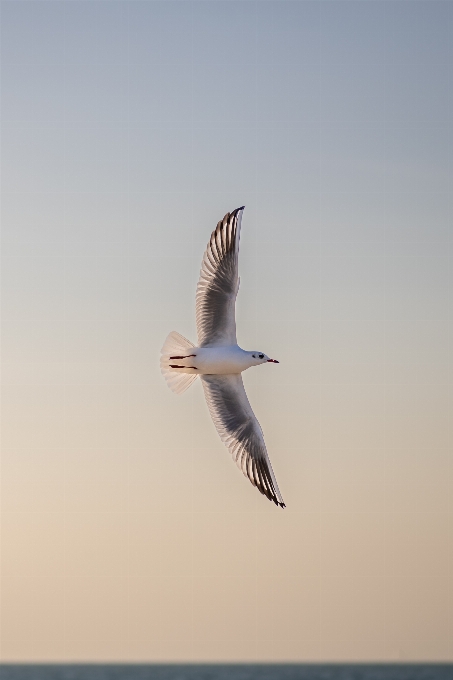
240	431
218	284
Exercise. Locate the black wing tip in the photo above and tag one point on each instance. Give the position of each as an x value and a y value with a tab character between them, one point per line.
226	218
265	485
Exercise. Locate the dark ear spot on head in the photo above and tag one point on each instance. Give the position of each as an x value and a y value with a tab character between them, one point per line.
253	356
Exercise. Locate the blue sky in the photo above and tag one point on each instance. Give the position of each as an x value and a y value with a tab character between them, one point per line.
129	129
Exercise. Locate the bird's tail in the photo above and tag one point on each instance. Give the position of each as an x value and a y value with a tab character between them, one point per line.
174	349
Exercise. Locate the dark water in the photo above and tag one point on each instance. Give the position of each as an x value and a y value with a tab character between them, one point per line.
228	672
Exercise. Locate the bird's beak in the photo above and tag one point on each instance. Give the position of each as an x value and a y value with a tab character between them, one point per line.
272	361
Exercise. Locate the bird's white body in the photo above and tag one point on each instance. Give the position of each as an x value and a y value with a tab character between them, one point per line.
221	360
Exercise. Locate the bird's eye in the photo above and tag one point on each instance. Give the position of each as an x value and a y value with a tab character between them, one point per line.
261	356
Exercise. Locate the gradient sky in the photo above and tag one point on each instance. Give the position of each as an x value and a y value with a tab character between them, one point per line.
129	129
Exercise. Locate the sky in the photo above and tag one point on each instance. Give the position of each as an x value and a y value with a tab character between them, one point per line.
128	130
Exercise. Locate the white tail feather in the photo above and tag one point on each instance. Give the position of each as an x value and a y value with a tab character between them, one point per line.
177	381
175	343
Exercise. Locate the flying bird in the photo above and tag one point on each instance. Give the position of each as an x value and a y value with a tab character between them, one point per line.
219	361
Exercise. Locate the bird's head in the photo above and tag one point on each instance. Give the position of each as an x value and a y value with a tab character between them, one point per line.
257	358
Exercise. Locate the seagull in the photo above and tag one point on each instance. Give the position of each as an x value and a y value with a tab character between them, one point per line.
219	361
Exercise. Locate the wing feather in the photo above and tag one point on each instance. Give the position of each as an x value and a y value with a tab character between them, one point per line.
218	284
240	431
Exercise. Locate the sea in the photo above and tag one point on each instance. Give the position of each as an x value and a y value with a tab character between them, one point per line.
226	672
